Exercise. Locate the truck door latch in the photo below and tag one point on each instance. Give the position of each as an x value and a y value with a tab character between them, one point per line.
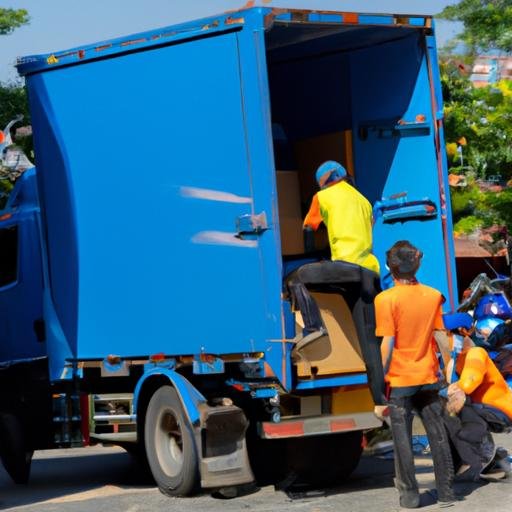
247	225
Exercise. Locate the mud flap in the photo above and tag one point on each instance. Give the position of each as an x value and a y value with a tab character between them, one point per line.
224	460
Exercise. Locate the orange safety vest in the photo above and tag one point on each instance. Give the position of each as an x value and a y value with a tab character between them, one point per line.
480	379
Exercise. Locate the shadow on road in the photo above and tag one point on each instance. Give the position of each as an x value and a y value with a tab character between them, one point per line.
91	472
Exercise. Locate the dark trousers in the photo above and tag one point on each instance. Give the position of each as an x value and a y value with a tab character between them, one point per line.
470	436
430	409
304	302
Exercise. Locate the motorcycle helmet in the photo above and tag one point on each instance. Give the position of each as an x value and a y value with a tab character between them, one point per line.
493	305
484	327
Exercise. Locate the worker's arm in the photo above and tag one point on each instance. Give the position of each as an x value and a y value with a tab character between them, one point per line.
443	345
314	217
386	351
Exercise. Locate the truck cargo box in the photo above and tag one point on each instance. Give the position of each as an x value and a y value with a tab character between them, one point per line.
162	156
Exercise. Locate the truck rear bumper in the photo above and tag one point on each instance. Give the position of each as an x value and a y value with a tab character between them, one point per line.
318	425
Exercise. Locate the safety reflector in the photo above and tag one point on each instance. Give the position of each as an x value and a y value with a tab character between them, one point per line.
342	424
285	429
350	17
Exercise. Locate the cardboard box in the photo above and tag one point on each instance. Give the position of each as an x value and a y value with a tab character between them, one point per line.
290	214
340	352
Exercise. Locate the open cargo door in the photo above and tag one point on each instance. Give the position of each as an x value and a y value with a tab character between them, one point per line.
145	163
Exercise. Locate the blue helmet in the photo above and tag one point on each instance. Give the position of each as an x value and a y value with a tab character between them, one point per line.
453	321
484	326
493	305
328	172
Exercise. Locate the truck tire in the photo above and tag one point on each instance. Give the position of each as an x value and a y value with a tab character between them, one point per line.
170	446
14	452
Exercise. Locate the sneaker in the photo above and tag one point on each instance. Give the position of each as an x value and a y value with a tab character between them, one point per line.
493	475
449	501
502	460
309	338
446	504
467	473
488	452
409	499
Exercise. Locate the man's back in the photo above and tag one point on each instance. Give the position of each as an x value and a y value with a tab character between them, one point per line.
410	313
348	217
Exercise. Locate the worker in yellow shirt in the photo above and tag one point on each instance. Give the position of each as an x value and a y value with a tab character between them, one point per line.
347	214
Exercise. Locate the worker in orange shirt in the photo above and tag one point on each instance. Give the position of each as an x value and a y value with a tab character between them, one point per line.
409	318
347	214
483	401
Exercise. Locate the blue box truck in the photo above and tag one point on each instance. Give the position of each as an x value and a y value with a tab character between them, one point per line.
144	300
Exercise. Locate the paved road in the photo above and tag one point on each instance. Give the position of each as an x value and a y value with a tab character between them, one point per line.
99	478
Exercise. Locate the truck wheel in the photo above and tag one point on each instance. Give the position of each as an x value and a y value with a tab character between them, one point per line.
170	446
14	452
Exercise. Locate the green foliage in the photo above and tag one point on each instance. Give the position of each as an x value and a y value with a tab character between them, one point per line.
473	208
487	23
5	188
483	116
13	101
465	201
468	225
11	19
501	203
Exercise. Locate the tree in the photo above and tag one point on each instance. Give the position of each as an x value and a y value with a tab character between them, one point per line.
11	19
13	101
487	23
478	124
13	97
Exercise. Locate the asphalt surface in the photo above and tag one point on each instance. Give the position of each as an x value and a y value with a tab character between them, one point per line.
107	478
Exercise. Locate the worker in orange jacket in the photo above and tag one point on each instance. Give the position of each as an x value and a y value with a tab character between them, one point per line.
482	401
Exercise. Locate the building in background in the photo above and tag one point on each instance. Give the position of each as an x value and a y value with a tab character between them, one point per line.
489	69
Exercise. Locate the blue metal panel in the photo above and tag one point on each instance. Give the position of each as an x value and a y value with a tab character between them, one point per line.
190	397
391	86
319	85
342	380
253	67
135	42
160	267
437	100
21	300
58	237
325	18
376	19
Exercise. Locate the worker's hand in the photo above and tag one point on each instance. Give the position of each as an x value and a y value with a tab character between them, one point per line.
382	412
456	399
